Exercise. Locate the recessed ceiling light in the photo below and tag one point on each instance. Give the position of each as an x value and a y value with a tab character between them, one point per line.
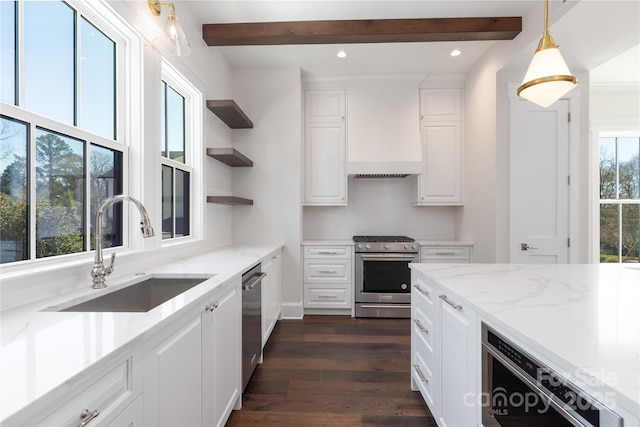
342	54
455	52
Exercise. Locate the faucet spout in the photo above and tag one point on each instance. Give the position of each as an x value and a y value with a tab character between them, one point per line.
99	270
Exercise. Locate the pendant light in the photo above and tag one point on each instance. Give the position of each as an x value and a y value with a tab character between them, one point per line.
174	42
548	77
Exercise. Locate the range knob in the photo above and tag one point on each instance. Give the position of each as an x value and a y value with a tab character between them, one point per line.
407	246
414	246
368	246
387	246
359	245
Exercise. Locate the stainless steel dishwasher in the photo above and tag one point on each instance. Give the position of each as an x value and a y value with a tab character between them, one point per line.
251	321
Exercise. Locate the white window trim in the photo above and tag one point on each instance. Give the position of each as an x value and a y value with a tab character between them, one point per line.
602	130
194	147
129	121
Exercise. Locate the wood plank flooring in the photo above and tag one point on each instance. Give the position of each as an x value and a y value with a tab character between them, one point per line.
334	371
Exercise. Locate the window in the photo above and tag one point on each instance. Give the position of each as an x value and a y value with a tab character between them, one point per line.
619	199
59	158
177	153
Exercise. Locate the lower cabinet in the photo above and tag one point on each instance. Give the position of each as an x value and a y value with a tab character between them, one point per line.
192	369
108	397
444	354
328	279
222	351
271	293
173	375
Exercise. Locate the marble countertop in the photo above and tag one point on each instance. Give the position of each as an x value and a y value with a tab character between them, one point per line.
577	318
42	350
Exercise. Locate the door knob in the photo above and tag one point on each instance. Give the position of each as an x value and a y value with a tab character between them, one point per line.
526	247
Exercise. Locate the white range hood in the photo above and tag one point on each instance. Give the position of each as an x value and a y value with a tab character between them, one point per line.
383	131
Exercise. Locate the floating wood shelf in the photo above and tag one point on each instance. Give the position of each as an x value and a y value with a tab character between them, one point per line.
229	112
229	200
229	156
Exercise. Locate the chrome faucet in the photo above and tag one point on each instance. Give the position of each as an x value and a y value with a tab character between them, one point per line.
99	271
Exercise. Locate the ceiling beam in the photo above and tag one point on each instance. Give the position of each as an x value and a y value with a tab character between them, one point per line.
362	31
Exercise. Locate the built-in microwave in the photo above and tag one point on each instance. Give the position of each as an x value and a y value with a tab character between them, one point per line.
519	390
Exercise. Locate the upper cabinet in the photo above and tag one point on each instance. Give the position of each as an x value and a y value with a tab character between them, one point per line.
325	149
440	182
325	106
440	105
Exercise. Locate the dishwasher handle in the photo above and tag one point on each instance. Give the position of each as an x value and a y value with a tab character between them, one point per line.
250	283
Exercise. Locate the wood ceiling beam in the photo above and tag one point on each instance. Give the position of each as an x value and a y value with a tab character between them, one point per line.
362	31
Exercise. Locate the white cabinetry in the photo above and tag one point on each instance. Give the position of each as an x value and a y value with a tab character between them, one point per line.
192	368
440	182
328	279
100	399
448	254
444	353
325	148
222	344
271	293
173	375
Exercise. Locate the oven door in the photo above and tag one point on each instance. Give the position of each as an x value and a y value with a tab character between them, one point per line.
383	277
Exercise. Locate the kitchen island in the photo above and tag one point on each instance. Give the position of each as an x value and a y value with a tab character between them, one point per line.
582	321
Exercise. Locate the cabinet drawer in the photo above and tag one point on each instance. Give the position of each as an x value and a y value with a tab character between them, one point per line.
423	331
423	296
441	253
319	296
108	394
329	252
321	271
423	376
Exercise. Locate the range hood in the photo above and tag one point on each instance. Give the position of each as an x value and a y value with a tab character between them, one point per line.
383	131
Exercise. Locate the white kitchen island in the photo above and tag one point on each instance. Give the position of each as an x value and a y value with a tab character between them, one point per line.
581	320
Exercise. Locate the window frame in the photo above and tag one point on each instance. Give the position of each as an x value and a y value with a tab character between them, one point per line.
624	131
193	101
128	126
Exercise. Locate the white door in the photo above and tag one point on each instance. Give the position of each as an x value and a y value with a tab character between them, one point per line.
539	183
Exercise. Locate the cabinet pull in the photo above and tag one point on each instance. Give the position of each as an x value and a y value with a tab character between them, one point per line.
86	416
422	291
211	306
452	304
328	252
328	296
422	328
327	271
445	253
422	377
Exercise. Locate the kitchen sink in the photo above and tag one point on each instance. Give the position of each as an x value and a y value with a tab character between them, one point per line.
139	297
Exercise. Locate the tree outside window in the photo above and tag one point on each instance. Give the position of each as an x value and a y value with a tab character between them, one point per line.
619	199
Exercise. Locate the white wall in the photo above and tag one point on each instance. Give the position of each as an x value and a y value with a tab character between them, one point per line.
379	207
272	100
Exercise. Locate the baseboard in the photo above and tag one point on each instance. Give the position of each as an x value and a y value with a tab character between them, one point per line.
292	310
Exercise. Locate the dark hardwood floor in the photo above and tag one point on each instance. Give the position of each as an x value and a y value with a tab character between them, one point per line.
334	371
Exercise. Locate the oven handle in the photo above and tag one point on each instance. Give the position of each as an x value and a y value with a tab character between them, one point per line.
387	257
386	306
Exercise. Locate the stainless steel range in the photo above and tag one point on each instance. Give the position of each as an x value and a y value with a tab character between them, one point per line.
383	277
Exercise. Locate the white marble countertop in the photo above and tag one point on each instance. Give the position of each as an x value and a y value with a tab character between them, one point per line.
578	318
328	242
41	350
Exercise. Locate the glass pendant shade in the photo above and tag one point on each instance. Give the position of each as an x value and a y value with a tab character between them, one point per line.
547	79
174	42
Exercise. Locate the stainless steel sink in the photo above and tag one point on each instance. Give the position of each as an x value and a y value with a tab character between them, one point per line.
139	297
